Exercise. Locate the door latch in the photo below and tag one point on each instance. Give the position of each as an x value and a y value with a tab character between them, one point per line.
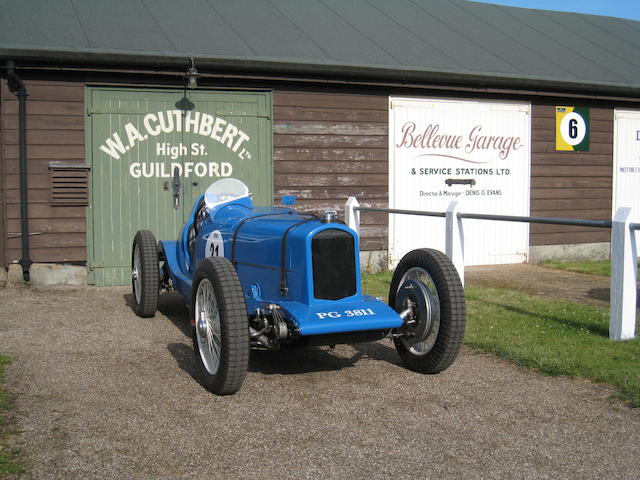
175	184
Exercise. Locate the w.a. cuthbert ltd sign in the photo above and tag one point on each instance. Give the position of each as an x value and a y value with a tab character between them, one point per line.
474	145
201	124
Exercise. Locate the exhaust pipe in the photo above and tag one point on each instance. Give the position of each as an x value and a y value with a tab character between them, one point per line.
259	339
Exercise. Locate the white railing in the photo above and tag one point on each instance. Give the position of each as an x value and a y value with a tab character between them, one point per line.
624	268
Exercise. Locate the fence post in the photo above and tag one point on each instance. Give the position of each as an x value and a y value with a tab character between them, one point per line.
352	216
623	277
454	239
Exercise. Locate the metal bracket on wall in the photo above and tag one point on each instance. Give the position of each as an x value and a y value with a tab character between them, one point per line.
460	181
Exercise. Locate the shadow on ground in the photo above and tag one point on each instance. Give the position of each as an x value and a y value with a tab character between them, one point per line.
172	306
288	361
300	360
604	295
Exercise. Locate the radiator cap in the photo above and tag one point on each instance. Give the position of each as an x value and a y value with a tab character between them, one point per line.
329	216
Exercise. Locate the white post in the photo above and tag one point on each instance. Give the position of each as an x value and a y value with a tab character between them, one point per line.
352	216
454	239
623	277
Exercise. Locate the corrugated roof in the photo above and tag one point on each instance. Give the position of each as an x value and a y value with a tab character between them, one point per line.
403	40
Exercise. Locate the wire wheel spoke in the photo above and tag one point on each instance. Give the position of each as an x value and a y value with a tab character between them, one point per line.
220	326
136	274
208	331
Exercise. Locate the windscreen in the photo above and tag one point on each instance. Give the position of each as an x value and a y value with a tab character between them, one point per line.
224	190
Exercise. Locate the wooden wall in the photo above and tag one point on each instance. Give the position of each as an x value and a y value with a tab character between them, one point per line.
55	132
327	147
570	184
330	146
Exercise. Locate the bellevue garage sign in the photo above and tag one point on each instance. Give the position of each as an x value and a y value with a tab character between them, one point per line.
170	121
475	142
476	153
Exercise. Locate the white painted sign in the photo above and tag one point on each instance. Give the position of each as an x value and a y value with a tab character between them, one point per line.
477	153
626	164
169	121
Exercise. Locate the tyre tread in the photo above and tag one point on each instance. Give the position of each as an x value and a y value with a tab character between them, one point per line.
234	359
452	309
150	289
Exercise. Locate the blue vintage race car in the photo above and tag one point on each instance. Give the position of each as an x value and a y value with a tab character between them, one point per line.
269	277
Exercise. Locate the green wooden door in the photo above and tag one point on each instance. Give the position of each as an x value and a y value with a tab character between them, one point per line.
152	152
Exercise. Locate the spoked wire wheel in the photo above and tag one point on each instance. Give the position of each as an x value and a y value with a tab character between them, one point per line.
427	284
208	332
136	273
220	326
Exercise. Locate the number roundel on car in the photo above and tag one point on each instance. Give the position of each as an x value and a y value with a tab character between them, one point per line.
215	245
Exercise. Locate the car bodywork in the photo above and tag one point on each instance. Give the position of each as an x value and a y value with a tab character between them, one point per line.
298	281
319	293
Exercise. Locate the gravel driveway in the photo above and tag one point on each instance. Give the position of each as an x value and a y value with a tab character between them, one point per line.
104	394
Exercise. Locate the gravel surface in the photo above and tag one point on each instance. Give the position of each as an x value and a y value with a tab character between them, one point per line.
105	394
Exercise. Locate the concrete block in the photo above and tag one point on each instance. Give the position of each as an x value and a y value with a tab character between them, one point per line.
43	274
14	275
57	274
570	253
374	261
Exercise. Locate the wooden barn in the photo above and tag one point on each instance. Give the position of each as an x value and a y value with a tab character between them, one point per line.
116	115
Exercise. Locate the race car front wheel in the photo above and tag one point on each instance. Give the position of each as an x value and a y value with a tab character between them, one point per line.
426	286
145	274
220	326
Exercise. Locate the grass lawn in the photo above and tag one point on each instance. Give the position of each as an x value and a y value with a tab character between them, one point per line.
554	337
601	267
9	459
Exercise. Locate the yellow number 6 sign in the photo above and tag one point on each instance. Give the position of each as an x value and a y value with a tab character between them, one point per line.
572	128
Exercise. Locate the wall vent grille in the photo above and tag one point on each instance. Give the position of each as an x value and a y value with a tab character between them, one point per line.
69	184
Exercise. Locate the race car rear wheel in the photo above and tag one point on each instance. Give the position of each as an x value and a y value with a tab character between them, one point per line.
427	283
220	326
145	274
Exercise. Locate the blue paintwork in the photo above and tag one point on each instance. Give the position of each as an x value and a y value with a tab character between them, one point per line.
331	316
257	258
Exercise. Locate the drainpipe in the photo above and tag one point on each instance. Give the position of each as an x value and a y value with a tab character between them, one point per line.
17	87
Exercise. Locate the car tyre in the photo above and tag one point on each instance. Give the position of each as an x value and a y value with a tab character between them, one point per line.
220	327
145	274
430	347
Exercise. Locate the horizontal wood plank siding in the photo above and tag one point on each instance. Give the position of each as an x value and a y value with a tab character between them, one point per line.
55	132
570	184
328	147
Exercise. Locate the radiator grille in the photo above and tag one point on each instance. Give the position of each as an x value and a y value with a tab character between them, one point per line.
334	265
